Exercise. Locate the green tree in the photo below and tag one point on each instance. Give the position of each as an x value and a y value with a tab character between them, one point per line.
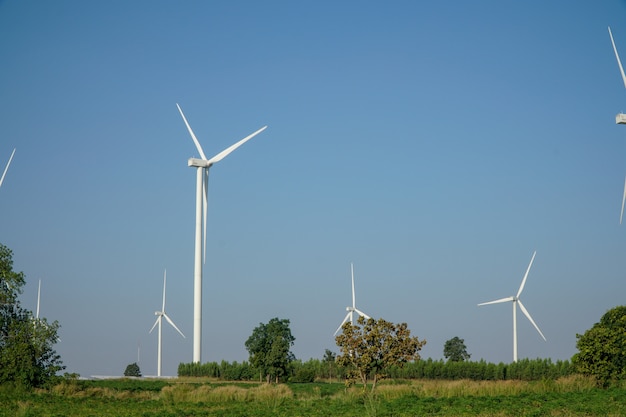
369	347
602	349
329	359
454	350
27	356
269	348
132	370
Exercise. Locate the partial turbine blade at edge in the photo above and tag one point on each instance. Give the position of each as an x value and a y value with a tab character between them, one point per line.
623	200
7	167
231	148
619	62
521	306
164	278
501	300
521	287
195	140
173	325
353	293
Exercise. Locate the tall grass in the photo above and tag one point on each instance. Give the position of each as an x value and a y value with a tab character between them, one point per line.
225	393
564	397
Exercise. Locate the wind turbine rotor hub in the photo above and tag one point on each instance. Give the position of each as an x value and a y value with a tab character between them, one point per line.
199	163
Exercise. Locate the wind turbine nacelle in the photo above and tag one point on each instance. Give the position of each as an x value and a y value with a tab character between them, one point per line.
200	163
620	119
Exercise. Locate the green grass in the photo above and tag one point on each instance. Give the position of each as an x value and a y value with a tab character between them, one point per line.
202	397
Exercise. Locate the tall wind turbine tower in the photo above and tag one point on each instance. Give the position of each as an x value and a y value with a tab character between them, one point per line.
202	183
620	119
516	301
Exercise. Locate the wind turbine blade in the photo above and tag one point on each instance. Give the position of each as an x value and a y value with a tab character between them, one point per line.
205	204
501	300
38	298
619	62
231	148
521	287
173	325
155	323
521	306
623	200
7	167
353	295
342	323
195	140
164	278
362	314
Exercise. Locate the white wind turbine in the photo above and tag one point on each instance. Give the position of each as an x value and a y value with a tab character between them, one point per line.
515	299
7	167
620	118
160	315
353	309
202	184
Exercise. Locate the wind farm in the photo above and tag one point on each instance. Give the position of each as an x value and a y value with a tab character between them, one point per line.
405	139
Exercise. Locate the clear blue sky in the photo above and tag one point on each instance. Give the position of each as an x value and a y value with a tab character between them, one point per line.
434	144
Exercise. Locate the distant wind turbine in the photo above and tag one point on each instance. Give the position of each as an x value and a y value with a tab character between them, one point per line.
202	184
7	167
620	118
516	300
353	309
160	315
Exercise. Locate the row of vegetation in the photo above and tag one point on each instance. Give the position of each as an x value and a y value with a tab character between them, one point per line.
324	370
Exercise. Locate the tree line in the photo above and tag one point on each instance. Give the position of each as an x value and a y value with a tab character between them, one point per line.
324	370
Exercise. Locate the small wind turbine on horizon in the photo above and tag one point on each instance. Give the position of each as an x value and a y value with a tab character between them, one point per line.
516	301
620	118
202	184
160	315
7	167
353	309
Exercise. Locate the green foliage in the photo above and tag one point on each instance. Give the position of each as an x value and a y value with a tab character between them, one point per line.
372	346
330	361
26	354
132	370
602	349
454	350
304	372
269	348
524	370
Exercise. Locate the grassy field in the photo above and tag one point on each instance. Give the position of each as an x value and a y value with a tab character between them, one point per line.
572	396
